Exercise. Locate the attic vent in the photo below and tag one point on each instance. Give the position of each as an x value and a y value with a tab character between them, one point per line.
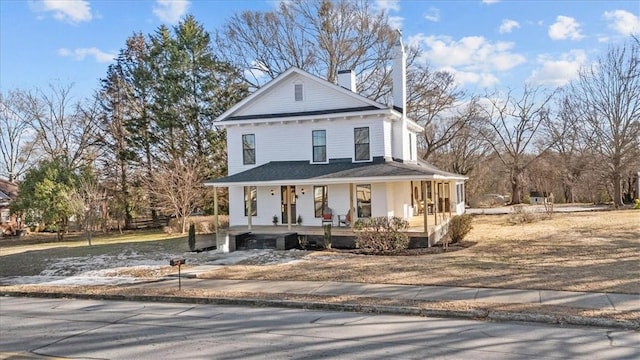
297	91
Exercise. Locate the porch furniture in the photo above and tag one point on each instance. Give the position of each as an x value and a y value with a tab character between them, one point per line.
345	219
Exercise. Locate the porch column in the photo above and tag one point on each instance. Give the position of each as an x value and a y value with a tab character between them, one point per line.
249	201
450	197
425	210
435	202
216	223
351	209
288	200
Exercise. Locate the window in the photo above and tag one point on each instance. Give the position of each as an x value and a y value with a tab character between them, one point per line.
319	139
361	139
297	91
363	194
249	149
320	199
250	192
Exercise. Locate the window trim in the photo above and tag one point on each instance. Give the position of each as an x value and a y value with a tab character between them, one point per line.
355	144
244	157
313	147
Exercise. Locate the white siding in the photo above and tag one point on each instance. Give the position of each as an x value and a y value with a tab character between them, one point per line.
316	96
292	141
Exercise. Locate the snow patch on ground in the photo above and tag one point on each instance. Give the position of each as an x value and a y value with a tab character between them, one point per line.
109	269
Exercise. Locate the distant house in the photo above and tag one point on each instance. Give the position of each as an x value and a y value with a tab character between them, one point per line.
8	192
537	197
303	146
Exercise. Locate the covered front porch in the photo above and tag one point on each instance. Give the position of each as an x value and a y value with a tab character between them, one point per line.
276	198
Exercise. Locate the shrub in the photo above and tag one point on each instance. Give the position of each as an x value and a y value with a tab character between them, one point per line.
192	237
520	215
459	227
636	204
382	234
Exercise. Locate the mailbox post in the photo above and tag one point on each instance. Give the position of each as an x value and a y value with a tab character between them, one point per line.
178	263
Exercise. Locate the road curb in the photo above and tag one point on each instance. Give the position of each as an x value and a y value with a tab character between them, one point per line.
492	315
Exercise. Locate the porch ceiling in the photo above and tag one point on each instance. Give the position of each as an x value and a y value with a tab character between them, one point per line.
336	171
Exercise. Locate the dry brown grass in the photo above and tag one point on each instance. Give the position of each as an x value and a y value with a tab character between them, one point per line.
594	251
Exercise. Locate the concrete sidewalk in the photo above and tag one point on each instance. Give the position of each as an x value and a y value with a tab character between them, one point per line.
584	300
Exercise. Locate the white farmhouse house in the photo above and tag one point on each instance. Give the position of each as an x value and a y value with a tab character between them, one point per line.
301	147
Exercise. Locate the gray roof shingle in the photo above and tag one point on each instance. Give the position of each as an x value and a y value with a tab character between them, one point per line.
335	169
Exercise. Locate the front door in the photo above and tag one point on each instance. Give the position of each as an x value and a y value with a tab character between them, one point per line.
292	199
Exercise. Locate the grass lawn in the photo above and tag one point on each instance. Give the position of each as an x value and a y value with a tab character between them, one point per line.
38	252
590	251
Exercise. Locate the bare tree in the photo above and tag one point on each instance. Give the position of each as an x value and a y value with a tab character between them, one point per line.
571	150
63	128
438	104
16	147
512	129
177	186
88	199
320	37
607	96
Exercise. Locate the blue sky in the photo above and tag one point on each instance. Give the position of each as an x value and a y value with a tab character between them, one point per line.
486	43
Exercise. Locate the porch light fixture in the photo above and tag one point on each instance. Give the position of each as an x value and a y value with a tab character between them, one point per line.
273	192
302	191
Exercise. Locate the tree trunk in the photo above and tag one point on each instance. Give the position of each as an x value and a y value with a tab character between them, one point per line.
515	190
617	193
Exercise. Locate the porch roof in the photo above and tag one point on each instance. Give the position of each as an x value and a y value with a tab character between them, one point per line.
334	172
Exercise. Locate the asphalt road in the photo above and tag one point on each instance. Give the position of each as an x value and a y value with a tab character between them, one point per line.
92	329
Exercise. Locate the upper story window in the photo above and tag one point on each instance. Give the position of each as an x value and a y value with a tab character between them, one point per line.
297	91
319	143
361	140
249	149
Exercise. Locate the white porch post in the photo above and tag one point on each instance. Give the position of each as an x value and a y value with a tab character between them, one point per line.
216	223
425	211
249	200
450	197
288	196
436	202
351	209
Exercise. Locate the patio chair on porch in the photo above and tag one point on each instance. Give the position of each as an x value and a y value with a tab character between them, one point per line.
345	219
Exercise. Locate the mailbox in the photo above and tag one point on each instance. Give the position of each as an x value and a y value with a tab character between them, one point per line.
177	262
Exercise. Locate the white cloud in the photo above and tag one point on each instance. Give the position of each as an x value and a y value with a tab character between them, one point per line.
170	11
465	77
490	1
396	22
508	25
471	52
558	72
71	11
623	22
473	59
387	5
433	15
565	27
81	53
